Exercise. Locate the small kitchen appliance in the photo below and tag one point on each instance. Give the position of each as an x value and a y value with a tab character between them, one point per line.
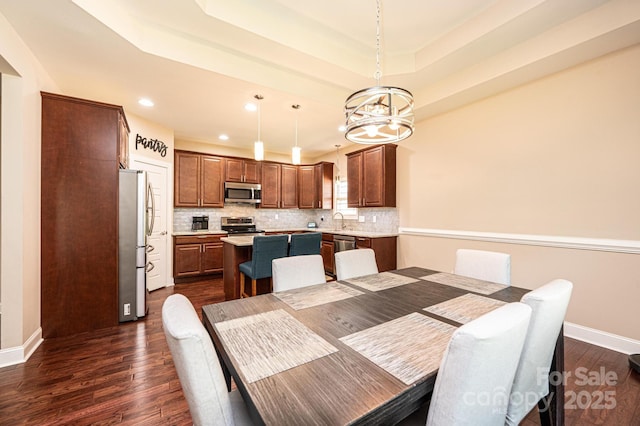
200	223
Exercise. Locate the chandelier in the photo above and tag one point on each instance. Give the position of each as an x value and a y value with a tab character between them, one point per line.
379	114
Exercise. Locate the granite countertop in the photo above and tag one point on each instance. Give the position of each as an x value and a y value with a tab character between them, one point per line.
368	234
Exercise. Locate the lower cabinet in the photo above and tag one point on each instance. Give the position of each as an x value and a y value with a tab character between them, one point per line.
327	252
195	255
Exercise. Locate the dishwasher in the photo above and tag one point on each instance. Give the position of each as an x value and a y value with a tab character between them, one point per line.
343	242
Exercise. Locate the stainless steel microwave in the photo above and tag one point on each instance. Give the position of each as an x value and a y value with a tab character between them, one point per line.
235	192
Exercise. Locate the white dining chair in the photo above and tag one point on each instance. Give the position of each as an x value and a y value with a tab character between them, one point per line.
297	271
549	305
198	367
484	265
477	370
355	263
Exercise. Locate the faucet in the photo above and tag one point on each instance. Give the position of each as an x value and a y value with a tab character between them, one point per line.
342	226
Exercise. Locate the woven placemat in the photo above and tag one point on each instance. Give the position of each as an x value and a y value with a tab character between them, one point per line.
381	281
271	342
409	347
465	283
307	297
465	308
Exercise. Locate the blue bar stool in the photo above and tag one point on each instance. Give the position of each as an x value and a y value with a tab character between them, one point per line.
265	249
304	244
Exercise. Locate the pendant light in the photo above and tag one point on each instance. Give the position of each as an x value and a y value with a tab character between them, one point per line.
296	150
337	162
258	146
379	114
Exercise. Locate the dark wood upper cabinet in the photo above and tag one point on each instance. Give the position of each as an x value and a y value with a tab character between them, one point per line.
243	170
371	177
198	180
315	186
279	186
82	150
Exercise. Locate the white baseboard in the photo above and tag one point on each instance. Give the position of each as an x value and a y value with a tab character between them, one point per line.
602	338
20	354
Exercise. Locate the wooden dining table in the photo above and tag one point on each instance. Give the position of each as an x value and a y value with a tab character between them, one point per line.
358	351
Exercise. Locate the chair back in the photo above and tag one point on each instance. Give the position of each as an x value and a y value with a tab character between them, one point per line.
297	271
265	249
303	244
477	370
549	305
355	263
484	265
196	362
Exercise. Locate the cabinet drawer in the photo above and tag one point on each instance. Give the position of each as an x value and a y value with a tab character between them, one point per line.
198	239
363	242
327	237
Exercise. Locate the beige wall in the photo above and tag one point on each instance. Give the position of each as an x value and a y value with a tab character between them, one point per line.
557	157
20	209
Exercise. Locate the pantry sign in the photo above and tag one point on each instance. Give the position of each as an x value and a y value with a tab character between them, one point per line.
151	144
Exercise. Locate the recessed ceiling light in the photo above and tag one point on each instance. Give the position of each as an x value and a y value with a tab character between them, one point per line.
146	102
251	107
342	128
223	137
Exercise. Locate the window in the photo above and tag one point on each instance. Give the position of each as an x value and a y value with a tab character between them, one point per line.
341	201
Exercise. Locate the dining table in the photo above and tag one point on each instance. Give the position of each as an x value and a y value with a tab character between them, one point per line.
364	350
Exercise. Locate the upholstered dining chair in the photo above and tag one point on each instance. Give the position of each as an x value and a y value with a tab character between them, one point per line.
355	263
198	367
531	385
484	265
476	373
265	249
307	243
297	271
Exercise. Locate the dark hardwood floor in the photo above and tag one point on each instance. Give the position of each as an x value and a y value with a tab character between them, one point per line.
125	375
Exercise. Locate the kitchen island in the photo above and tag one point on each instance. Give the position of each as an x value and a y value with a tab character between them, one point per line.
238	250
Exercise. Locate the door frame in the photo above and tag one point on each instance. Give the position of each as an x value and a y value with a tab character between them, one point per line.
137	159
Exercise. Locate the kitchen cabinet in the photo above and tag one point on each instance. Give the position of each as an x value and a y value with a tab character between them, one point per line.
371	177
385	249
82	150
123	143
243	170
327	253
279	186
198	180
315	186
197	255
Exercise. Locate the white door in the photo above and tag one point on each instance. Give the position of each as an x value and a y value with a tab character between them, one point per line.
157	253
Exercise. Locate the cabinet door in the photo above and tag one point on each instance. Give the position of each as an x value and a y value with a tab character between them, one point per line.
186	180
326	251
212	181
212	257
289	188
307	187
123	143
252	171
324	185
187	260
373	177
354	178
234	170
270	186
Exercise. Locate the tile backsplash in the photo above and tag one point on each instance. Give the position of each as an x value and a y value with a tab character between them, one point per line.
386	219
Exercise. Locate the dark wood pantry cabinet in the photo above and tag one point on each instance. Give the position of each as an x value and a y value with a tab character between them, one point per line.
371	177
82	142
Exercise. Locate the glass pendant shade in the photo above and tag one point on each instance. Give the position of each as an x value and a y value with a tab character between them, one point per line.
295	155
258	151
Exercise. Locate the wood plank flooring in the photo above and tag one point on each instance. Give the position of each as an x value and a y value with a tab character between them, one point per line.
124	375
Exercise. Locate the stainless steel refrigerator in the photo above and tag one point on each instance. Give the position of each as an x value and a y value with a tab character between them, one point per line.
136	214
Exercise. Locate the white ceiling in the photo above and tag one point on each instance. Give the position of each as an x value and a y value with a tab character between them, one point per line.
202	60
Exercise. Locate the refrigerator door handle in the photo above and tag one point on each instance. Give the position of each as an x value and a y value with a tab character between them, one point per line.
150	248
149	267
151	209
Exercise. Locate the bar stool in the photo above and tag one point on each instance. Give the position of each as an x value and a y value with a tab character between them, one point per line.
307	243
265	249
